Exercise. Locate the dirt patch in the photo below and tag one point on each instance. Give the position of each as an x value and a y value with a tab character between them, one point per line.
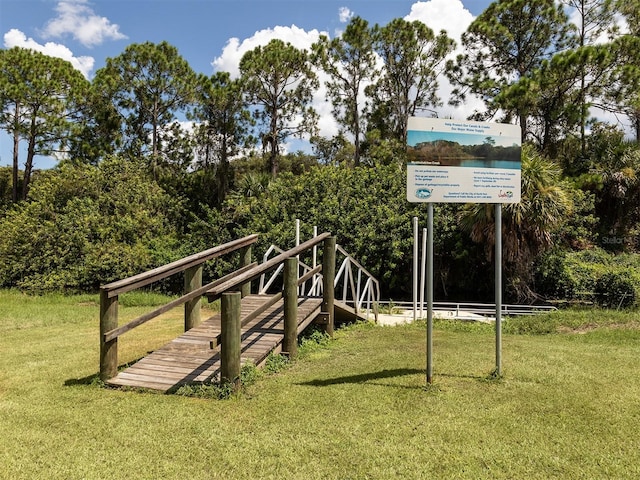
582	329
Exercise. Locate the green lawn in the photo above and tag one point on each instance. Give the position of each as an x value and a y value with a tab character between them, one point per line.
567	407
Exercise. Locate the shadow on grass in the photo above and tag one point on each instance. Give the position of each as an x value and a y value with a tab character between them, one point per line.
366	377
88	380
95	378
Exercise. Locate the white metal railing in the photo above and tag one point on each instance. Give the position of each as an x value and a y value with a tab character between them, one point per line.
460	308
359	289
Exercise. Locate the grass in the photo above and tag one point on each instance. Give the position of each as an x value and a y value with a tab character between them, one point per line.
356	408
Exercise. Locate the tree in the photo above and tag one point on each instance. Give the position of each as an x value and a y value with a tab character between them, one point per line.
527	225
41	98
279	82
350	62
223	124
149	85
507	42
594	18
413	57
625	79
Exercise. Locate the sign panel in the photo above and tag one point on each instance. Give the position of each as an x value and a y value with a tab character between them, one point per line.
453	161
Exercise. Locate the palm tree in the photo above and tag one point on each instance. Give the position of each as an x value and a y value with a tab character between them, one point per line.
527	226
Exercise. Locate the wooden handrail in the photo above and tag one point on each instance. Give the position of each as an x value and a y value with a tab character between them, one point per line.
116	332
127	284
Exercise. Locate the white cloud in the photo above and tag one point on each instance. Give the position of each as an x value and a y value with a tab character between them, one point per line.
345	14
15	38
233	51
75	17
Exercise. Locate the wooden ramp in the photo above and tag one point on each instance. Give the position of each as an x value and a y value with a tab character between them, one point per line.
190	358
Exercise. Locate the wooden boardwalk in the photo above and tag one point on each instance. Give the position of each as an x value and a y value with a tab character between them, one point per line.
190	358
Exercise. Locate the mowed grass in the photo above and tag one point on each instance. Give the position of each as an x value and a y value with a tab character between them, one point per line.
567	407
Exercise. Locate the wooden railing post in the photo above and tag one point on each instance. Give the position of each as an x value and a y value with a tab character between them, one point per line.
192	281
328	279
230	337
108	350
290	341
245	260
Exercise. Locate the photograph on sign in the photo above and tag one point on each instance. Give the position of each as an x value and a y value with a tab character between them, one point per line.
453	161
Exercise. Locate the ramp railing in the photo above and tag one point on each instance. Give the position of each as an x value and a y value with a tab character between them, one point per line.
360	289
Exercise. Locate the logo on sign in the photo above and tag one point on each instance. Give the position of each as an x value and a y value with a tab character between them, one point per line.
423	193
505	194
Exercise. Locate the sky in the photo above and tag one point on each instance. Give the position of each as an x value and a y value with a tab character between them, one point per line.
212	35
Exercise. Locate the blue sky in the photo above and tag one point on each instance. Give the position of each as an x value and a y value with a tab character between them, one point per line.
210	34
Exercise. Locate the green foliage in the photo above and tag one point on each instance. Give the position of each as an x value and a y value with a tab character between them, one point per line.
279	82
211	390
41	98
84	226
553	278
148	85
363	207
414	57
615	290
609	279
275	363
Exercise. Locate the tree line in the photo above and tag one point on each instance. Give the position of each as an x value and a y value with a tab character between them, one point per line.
207	151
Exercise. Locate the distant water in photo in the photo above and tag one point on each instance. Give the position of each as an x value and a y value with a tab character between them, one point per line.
477	162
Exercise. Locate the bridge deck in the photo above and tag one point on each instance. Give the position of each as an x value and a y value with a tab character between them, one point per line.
190	358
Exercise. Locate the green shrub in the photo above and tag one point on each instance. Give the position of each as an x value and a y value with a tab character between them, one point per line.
615	290
553	278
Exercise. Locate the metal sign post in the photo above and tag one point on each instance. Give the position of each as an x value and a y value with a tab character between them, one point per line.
498	288
430	293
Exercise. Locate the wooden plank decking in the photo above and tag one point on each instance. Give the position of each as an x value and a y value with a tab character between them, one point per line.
190	358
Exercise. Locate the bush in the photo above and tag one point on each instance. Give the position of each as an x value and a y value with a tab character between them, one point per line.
553	278
83	226
615	290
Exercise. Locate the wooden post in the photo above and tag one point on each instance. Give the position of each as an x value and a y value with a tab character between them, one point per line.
245	259
230	337
290	342
328	279
192	281
108	350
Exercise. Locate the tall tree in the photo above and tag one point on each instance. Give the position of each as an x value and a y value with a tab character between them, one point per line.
279	82
413	57
625	82
350	62
41	98
593	19
150	85
223	126
507	42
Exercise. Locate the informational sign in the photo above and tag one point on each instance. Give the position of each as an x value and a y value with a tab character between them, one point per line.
460	161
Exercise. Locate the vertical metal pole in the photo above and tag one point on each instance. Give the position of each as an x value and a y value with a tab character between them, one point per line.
430	293
498	287
415	267
423	269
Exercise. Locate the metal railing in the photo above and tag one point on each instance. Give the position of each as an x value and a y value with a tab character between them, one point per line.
462	309
360	289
